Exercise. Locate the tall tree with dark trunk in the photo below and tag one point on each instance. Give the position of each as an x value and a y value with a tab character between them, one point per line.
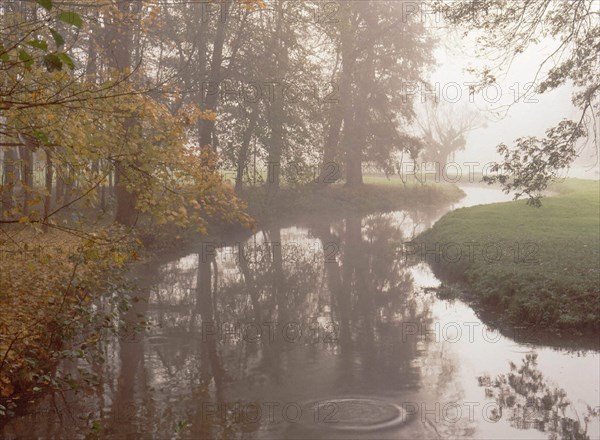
276	109
211	95
382	49
348	29
121	36
245	148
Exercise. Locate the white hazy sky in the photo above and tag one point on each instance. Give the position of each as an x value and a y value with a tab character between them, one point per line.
455	55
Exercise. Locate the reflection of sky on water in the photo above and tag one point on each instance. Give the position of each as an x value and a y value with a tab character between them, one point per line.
381	334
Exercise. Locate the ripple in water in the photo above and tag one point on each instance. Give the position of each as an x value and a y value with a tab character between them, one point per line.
356	414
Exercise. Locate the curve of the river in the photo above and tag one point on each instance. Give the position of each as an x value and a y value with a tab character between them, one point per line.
320	331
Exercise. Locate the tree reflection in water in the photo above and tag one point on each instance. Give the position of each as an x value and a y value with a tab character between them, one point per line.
533	403
342	279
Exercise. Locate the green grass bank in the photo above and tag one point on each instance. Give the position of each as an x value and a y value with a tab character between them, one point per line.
531	266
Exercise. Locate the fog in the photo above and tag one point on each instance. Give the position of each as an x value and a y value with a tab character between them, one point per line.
311	220
509	114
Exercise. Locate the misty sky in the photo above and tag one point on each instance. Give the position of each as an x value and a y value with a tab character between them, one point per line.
523	118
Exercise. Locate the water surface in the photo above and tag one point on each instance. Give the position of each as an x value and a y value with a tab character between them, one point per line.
321	330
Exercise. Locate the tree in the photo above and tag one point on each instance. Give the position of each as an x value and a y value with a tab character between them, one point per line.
443	129
30	39
270	112
107	118
509	28
122	23
382	48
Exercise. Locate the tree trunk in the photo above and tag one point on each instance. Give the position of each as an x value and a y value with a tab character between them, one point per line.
9	177
126	213
48	198
68	186
210	99
353	170
205	302
243	156
111	184
360	114
26	177
330	171
59	188
276	147
103	198
349	135
126	199
276	110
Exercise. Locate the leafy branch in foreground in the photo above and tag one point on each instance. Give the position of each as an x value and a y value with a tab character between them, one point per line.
34	36
534	163
505	29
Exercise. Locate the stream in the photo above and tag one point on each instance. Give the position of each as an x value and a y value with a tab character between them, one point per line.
321	330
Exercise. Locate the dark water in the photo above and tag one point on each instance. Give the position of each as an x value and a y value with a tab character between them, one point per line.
319	330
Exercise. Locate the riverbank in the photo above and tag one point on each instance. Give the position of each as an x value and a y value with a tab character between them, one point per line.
339	200
291	204
537	267
50	281
51	295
